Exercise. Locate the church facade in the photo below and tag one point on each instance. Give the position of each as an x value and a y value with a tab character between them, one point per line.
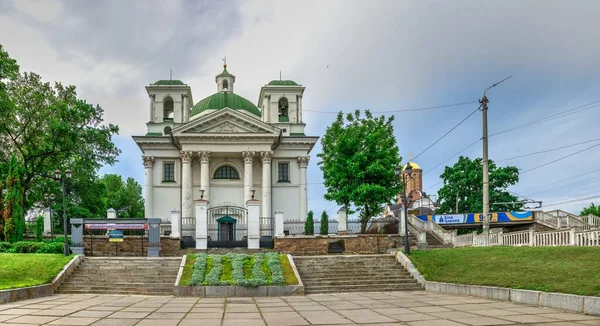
225	151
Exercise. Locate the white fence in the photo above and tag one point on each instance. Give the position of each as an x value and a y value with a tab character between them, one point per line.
296	227
531	238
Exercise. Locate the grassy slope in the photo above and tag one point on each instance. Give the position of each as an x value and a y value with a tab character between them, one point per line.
288	271
187	270
21	270
573	270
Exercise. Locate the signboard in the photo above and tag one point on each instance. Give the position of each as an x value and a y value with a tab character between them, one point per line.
472	218
115	226
115	236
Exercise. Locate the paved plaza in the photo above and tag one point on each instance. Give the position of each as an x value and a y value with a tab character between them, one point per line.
390	308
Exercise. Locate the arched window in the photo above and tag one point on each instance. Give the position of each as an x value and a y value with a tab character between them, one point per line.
225	85
226	172
283	107
168	112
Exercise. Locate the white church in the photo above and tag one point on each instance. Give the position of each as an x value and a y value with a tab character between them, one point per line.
226	158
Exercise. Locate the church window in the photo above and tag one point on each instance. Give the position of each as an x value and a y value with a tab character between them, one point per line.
226	172
225	84
283	108
168	109
169	172
283	172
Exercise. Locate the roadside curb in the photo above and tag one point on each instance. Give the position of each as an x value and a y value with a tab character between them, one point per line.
32	292
570	302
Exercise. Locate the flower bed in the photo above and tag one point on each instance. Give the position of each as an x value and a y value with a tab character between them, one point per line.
249	271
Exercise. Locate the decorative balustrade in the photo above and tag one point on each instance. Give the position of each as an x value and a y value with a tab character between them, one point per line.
587	239
553	238
465	240
517	239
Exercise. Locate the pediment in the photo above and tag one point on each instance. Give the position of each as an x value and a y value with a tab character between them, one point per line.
223	122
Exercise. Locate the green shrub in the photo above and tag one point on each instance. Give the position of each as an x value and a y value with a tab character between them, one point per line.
199	270
30	247
214	275
237	265
5	246
258	276
275	268
62	239
39	229
309	225
51	248
324	224
26	247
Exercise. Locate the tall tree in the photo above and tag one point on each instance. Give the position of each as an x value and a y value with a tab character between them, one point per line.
324	224
464	179
125	197
48	128
592	209
358	160
14	218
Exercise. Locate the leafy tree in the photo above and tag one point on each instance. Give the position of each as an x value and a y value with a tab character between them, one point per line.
48	128
309	224
592	209
39	229
124	197
358	159
465	179
14	219
324	223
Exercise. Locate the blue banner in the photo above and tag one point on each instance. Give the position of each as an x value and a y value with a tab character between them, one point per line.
473	218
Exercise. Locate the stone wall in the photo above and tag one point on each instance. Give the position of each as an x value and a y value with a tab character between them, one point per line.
131	246
354	244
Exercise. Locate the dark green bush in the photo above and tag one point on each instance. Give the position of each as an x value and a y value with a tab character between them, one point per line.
26	247
5	246
309	224
39	229
62	239
30	247
51	248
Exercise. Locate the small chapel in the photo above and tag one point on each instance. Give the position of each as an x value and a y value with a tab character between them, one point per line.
222	168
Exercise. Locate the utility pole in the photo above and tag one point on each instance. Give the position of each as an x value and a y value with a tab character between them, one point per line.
486	178
456	209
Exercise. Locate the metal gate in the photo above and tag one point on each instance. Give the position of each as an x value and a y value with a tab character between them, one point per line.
227	227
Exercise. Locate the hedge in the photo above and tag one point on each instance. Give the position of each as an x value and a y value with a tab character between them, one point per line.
30	247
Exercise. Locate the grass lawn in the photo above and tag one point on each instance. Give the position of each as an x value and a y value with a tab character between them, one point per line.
21	270
574	270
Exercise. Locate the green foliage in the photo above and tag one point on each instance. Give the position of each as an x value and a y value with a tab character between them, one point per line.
275	268
14	219
309	224
30	247
125	197
214	275
288	271
62	240
465	179
358	160
592	209
199	270
48	127
21	270
324	224
39	228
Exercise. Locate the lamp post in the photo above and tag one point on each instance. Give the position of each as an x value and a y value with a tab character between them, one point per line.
49	200
405	174
58	177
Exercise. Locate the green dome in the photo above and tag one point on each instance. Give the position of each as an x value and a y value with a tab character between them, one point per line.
168	82
223	100
283	83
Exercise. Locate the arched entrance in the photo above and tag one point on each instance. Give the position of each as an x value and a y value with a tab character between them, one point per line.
227	227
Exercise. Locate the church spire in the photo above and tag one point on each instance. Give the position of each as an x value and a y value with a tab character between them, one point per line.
225	80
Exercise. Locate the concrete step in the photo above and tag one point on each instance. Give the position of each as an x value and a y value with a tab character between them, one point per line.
348	290
363	287
115	292
349	274
354	282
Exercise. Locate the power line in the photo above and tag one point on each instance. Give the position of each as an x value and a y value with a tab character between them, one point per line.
560	159
446	134
549	118
444	161
572	200
548	150
433	185
565	186
403	110
567	179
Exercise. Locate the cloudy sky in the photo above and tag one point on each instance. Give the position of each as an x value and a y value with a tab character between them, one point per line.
377	55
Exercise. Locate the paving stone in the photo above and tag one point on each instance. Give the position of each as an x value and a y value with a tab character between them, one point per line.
163	309
116	322
166	315
158	322
311	308
429	309
53	312
241	309
91	313
530	318
128	314
73	321
8	317
453	315
589	322
495	312
413	317
284	318
434	322
207	310
138	309
248	322
204	315
18	311
324	317
570	316
244	315
534	310
205	322
483	321
37	320
276	309
103	308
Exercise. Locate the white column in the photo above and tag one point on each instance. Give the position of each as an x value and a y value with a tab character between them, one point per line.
342	220
266	183
253	206
401	230
248	159
187	209
111	213
201	224
175	224
47	221
279	224
205	173
299	108
186	111
148	187
151	96
303	164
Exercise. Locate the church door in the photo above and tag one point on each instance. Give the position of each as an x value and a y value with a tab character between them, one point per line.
227	232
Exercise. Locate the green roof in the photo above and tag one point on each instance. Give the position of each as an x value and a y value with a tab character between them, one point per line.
223	100
283	83
169	82
225	73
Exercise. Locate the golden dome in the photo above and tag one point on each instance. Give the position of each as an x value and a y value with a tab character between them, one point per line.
414	165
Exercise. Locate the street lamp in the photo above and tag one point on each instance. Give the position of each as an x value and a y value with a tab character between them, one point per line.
405	174
58	177
49	200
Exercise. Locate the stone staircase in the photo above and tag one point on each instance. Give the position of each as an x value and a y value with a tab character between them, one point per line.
123	275
375	273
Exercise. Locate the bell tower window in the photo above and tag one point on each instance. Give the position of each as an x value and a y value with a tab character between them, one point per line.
168	112
283	109
225	85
